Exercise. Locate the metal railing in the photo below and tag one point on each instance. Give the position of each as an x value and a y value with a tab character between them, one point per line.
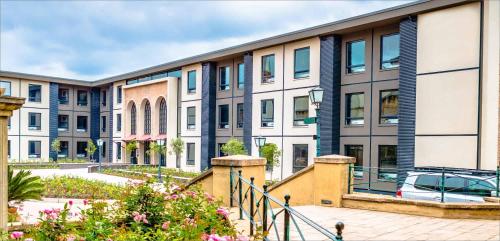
466	182
256	205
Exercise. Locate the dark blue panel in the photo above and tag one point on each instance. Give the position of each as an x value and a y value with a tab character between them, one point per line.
247	105
208	87
330	48
407	96
95	116
53	116
110	125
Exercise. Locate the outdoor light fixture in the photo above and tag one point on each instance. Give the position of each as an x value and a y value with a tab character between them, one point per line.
100	142
260	141
316	96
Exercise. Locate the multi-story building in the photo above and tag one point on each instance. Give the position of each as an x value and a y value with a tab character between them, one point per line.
411	86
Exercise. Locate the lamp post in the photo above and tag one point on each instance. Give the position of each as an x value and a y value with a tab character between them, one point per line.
316	97
160	142
260	142
99	144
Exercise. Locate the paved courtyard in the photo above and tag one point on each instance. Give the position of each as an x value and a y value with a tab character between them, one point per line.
373	225
80	172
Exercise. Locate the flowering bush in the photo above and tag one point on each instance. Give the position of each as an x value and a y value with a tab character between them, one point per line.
75	187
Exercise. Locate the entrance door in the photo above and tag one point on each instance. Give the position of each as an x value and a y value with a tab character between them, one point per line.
163	160
147	158
133	157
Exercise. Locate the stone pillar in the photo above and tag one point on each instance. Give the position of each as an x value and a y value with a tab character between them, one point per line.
331	179
7	105
249	166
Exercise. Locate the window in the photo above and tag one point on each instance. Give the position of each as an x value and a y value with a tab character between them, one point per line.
267	113
268	69
300	156
81	98
223	116
118	122
191	86
63	122
147	118
81	123
190	154
241	76
239	117
119	94
103	150
35	121
103	123
9	122
301	63
163	117
480	187
80	149
427	182
356	151
8	149
300	110
133	120
7	86
387	162
453	185
103	97
63	96
118	150
389	103
35	93
191	118
219	148
356	57
389	57
224	78
34	149
64	149
355	108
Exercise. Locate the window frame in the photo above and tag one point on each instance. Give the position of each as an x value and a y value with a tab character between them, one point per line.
347	114
118	150
190	161
267	79
382	52
133	119
299	122
8	92
38	121
392	171
60	96
388	117
162	117
358	169
86	123
191	90
119	94
103	98
103	123
147	118
240	121
349	67
191	126
118	122
295	167
219	150
64	146
308	71
225	86
81	102
37	152
220	124
81	154
59	128
263	123
35	98
241	76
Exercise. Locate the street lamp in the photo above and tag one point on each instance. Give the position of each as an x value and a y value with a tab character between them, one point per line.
316	97
260	142
99	144
160	142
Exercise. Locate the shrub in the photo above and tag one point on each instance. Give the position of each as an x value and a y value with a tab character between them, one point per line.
234	147
91	148
23	186
74	187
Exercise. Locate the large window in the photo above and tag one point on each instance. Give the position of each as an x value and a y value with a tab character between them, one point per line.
63	122
241	76
118	122
268	68
81	123
7	86
300	110
224	78
356	57
80	149
223	116
35	93
82	98
191	118
34	148
389	106
64	149
387	162
163	117
147	118
190	154
118	150
103	123
300	157
356	151
133	120
103	98
355	108
239	115
191	85
267	113
301	63
35	121
119	94
389	57
63	96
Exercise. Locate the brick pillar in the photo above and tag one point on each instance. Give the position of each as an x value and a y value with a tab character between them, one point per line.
331	179
7	105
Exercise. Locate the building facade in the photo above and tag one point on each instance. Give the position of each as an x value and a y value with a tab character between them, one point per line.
412	86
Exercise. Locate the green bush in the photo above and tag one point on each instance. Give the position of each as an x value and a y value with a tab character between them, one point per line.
74	187
234	147
23	186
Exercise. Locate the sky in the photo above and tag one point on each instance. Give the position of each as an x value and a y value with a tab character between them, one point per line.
90	40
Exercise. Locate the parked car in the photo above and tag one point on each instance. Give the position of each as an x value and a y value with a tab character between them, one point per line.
457	187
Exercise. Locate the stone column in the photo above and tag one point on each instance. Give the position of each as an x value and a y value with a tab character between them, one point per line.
331	175
250	167
7	105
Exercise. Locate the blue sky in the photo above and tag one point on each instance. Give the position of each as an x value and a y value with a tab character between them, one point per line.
95	39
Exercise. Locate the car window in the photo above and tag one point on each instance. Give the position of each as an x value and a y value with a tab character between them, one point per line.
426	182
480	187
454	185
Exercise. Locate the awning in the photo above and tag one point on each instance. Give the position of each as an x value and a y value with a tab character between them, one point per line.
144	138
129	138
160	137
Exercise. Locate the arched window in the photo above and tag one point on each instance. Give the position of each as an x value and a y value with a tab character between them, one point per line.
163	117
147	118
133	119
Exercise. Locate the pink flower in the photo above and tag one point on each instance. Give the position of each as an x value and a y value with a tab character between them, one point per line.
174	196
70	202
223	212
165	225
209	197
71	238
242	238
16	235
85	202
215	237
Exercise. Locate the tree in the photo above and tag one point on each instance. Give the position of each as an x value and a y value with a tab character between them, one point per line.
155	148
234	147
272	154
130	147
177	147
56	147
91	148
23	186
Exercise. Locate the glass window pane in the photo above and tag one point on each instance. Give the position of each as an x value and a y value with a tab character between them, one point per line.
35	93
192	81
480	187
356	151
390	51
239	110
300	156
223	116
426	182
301	63
224	78
356	56
268	68
267	113
355	108
241	76
387	162
7	86
301	109
389	106
190	154
191	118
